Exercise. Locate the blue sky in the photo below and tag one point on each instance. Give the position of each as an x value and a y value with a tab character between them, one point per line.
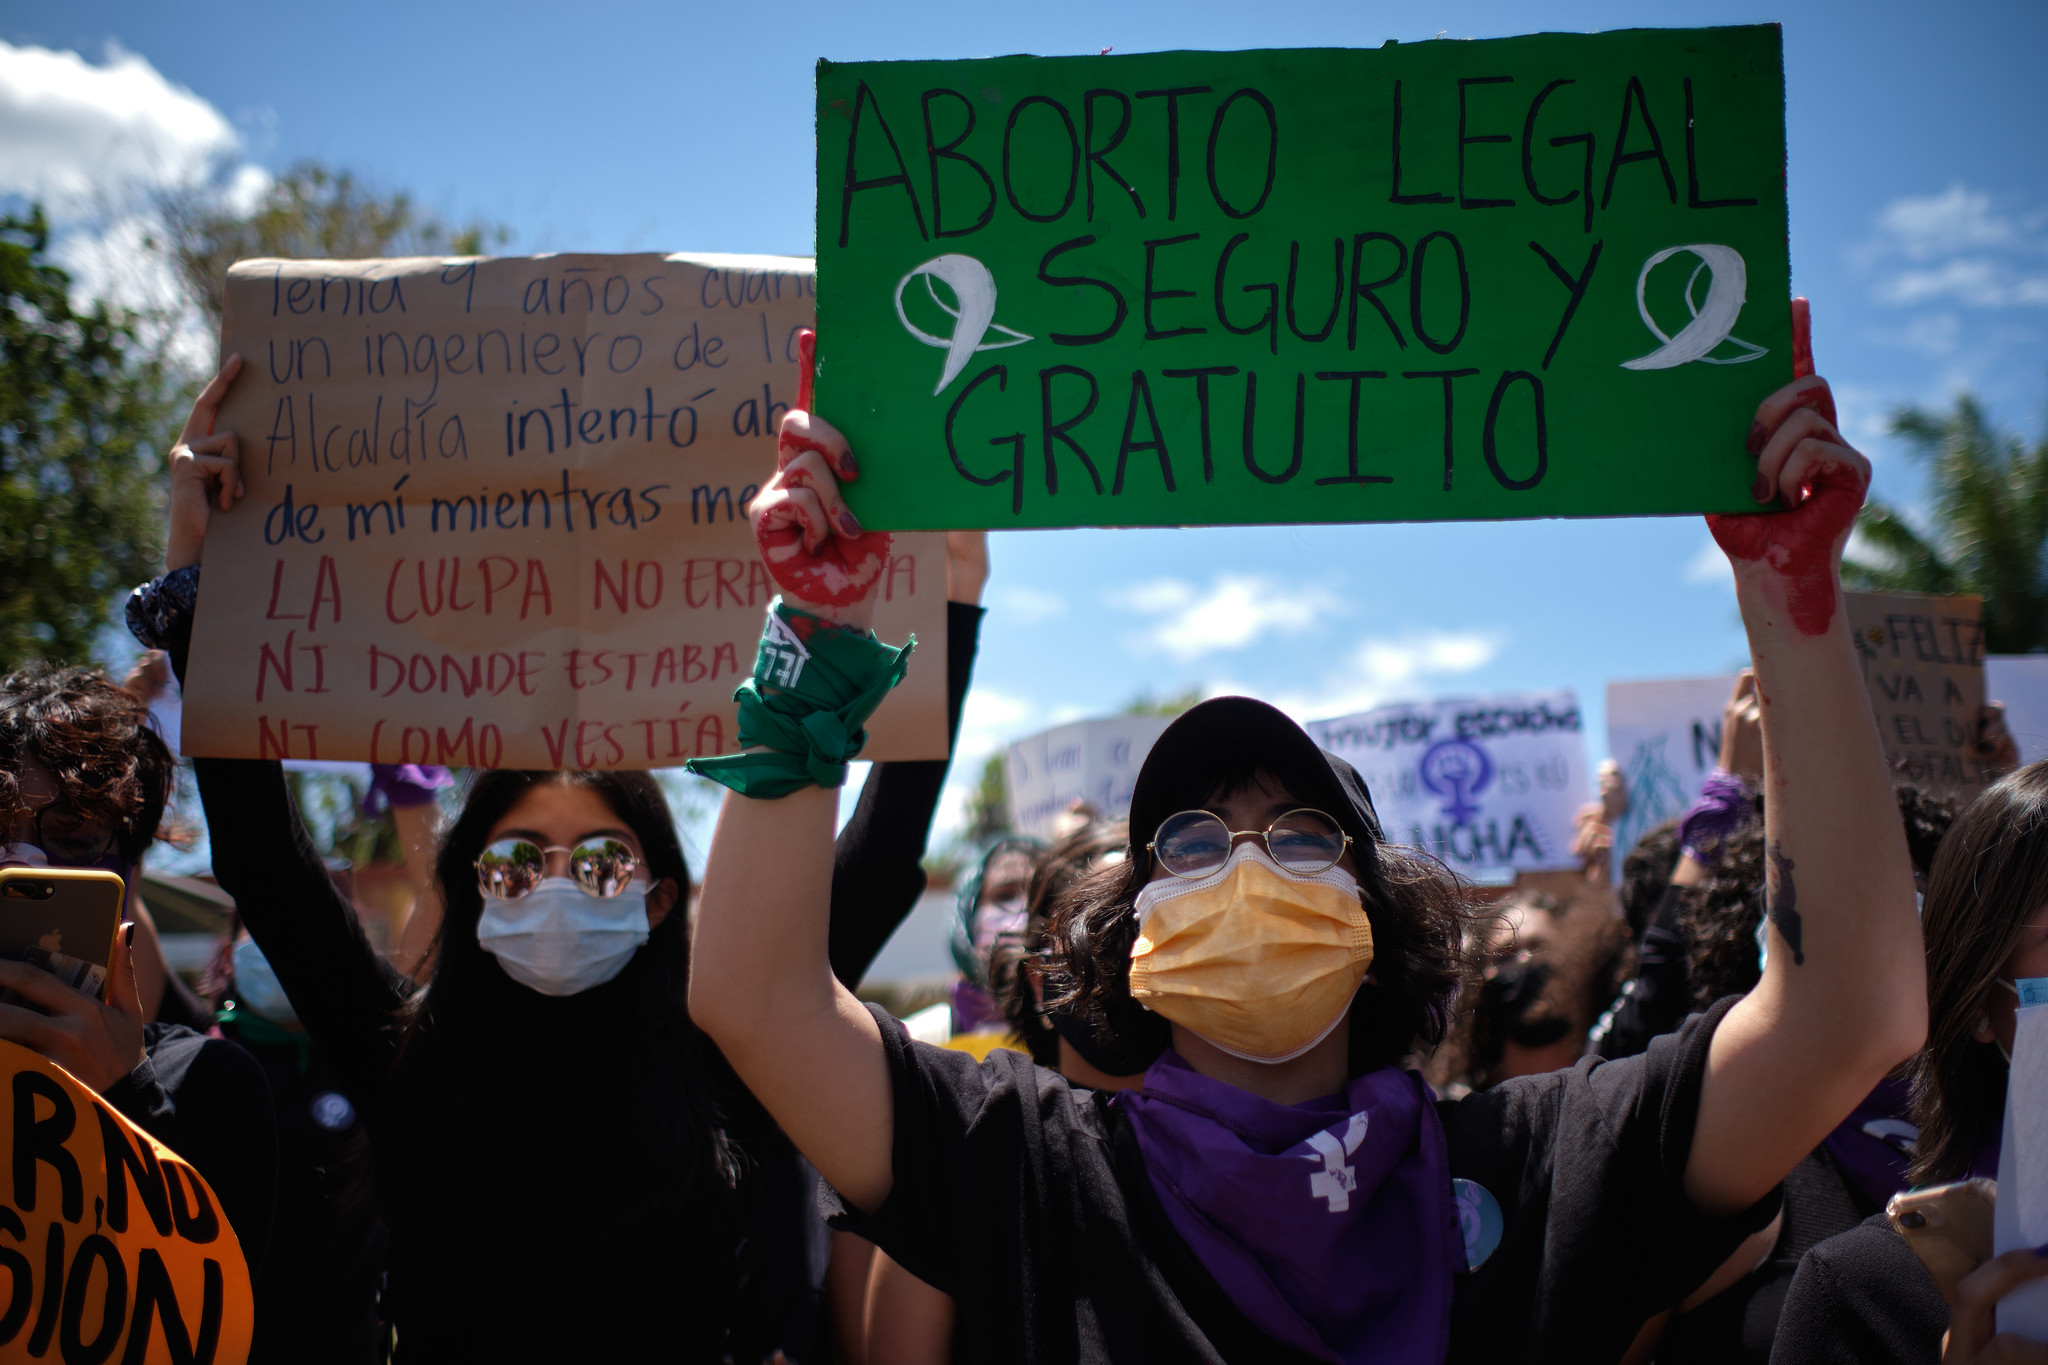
1919	191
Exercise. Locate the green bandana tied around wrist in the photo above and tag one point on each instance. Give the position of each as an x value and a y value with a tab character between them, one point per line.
814	686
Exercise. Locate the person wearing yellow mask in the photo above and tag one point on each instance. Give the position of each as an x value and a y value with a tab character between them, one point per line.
1283	1187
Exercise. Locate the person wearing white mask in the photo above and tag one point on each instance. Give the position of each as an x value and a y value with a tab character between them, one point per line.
568	1169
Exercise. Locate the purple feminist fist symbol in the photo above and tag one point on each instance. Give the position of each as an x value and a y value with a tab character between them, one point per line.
1458	770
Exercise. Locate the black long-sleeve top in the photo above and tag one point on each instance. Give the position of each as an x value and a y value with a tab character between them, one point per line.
537	1247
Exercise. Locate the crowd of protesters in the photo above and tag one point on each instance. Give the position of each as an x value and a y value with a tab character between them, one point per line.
1233	1079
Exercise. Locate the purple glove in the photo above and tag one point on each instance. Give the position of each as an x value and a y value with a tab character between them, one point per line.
399	785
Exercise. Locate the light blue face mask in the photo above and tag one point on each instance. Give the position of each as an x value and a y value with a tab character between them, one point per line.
2031	990
257	987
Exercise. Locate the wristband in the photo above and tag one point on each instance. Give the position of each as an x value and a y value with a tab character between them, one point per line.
155	608
1722	805
801	714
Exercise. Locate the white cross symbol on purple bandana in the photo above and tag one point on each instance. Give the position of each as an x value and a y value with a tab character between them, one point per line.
1336	1181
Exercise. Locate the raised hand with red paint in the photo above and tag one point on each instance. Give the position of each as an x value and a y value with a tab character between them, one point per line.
810	540
1817	479
1843	997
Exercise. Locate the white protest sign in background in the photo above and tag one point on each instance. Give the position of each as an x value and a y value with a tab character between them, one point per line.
1666	734
1666	737
1488	784
1095	761
2020	1218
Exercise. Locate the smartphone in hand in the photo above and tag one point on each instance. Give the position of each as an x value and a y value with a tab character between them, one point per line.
1948	1227
63	920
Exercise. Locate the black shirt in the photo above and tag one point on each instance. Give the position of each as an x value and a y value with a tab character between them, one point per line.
1027	1201
319	1293
206	1100
542	1243
1739	1324
1862	1298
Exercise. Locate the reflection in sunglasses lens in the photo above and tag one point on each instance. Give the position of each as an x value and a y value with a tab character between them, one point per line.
509	868
602	868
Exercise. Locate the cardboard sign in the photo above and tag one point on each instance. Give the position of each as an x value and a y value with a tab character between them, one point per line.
1666	735
1095	761
1923	661
116	1248
1524	277
496	515
1488	784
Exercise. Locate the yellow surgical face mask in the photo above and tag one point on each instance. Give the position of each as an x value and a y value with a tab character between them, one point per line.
1260	961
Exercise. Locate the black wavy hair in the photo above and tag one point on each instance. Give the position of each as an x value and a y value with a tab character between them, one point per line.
97	740
1059	870
1719	917
467	1032
1420	914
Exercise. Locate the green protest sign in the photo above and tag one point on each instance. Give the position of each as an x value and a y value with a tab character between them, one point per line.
1539	276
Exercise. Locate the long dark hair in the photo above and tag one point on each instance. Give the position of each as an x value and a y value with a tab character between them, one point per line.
1420	918
1059	871
1990	878
459	1035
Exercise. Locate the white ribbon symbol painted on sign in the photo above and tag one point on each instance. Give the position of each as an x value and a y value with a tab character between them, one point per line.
1727	291
975	287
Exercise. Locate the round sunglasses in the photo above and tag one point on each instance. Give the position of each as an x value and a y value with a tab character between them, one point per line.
510	868
1194	843
69	838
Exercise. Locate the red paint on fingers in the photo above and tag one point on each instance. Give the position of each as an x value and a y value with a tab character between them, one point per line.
806	365
790	445
839	573
1800	545
1822	401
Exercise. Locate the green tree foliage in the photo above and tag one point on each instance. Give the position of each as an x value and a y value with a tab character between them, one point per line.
1987	525
988	806
83	410
1146	704
309	212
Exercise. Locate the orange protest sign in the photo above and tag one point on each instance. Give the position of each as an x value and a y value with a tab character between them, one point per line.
114	1248
497	515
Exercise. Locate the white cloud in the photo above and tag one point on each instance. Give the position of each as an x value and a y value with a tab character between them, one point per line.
1028	606
1977	281
1387	669
1931	334
1926	227
97	145
1237	610
1430	653
71	131
1958	248
989	722
1709	567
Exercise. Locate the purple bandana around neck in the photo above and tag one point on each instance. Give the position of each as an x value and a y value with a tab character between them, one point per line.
975	1010
1329	1224
1875	1143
